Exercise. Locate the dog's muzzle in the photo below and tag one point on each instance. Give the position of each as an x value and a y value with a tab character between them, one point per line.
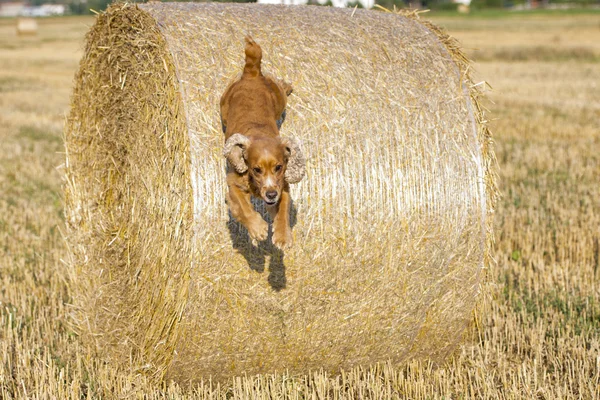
271	197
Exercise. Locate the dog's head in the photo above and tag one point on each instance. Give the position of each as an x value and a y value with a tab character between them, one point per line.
270	162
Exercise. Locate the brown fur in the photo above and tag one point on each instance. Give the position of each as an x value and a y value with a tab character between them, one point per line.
258	157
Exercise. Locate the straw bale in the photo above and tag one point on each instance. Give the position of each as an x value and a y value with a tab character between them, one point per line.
26	26
391	223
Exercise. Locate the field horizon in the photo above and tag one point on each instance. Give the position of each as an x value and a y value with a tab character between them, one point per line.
537	335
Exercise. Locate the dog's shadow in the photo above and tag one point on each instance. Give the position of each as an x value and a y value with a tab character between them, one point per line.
257	256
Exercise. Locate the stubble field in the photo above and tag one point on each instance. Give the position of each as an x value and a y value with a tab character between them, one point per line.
539	336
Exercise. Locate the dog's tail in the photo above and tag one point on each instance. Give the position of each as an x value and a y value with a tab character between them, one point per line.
253	58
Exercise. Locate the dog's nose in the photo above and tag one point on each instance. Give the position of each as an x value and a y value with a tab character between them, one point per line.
271	195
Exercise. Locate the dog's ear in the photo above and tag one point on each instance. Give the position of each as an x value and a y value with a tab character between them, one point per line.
235	151
296	164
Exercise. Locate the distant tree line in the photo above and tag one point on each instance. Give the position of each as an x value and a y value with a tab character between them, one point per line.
84	6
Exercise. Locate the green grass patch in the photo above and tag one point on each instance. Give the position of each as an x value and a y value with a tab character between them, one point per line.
39	135
499	13
538	53
577	313
13	84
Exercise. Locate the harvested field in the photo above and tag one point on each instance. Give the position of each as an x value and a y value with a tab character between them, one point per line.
539	335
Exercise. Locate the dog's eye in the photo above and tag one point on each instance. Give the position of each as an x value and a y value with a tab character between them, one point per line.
257	170
278	168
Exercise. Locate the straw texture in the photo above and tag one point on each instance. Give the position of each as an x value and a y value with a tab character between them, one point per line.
391	223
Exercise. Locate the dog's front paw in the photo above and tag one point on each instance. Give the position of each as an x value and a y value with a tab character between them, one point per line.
258	230
282	238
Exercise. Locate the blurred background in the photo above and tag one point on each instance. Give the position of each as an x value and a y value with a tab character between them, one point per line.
45	8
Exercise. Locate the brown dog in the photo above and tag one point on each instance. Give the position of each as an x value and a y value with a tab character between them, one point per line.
260	162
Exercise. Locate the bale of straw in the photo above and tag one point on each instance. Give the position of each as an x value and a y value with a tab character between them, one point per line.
391	223
26	26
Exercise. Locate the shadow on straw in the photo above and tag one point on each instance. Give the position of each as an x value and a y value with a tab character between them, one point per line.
257	256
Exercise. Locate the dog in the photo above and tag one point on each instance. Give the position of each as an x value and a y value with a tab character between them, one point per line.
260	162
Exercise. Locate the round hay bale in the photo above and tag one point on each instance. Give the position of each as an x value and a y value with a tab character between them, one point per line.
26	26
391	223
